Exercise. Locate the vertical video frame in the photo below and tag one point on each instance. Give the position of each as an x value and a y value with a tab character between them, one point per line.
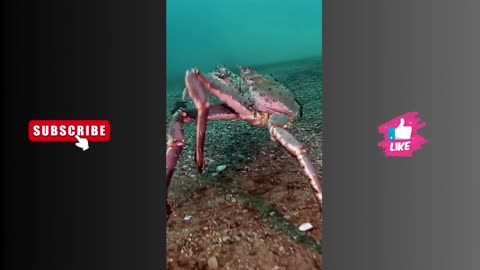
244	134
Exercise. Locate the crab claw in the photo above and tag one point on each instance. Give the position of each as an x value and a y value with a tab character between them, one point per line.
200	99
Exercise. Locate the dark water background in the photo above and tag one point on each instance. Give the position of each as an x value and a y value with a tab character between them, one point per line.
248	32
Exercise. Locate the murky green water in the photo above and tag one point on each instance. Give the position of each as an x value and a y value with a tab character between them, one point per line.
248	32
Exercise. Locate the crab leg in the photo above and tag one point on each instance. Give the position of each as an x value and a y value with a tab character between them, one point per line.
225	80
277	126
196	85
200	99
176	134
225	93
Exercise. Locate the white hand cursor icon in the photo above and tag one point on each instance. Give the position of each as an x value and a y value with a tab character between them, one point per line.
403	132
82	143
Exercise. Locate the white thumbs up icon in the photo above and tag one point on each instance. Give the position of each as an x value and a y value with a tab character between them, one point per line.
403	132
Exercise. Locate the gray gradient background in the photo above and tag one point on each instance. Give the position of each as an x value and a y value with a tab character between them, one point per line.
382	59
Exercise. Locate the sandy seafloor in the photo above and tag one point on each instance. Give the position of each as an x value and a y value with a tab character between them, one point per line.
247	216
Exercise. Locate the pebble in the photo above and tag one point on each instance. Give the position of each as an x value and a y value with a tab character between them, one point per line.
305	227
221	167
212	263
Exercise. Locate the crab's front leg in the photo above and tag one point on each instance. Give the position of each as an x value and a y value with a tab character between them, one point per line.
176	135
197	86
201	102
224	76
277	126
226	93
225	80
227	77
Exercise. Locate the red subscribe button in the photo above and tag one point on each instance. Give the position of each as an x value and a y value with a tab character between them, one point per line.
66	130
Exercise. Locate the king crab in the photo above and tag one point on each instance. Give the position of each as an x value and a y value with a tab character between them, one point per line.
258	99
